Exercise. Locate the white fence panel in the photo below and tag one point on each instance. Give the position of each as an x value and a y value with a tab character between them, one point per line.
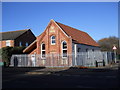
56	60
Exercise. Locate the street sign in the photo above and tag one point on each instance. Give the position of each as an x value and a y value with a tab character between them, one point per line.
114	48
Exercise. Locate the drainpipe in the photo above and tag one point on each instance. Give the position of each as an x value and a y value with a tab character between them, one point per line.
75	49
70	62
35	59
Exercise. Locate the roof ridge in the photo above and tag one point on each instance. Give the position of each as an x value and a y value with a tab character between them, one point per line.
11	35
16	31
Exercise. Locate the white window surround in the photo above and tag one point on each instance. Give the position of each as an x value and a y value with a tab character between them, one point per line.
26	44
53	39
64	49
42	50
75	50
8	43
20	44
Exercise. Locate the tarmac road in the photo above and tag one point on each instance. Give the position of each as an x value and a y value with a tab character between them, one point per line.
69	78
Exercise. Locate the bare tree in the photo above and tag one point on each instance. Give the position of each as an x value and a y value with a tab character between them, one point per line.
106	44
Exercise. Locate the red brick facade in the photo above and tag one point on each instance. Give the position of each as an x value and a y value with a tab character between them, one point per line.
60	36
53	29
3	43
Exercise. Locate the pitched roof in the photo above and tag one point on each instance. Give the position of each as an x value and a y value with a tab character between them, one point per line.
11	35
33	45
77	35
30	47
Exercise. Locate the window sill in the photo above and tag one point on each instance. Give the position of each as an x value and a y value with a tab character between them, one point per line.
64	57
52	44
43	58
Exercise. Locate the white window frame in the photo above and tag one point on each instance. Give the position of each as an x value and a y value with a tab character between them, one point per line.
8	43
52	40
20	43
42	51
64	49
26	44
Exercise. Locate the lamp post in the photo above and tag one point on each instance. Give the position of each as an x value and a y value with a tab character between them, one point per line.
114	48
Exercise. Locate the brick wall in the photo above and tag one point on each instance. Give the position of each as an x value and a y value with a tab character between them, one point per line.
3	43
60	36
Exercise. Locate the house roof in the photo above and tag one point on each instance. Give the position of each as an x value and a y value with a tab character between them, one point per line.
77	35
33	45
11	35
30	47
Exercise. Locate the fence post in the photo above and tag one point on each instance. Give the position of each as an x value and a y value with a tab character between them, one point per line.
52	60
96	63
69	58
103	63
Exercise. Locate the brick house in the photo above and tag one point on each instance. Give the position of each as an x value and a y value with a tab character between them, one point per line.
17	38
61	39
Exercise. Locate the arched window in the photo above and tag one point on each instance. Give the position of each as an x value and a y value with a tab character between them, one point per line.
53	41
43	50
64	49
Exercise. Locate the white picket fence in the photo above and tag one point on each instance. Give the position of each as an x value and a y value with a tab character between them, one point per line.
57	60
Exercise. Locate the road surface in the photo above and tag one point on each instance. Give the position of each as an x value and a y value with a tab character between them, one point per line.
68	78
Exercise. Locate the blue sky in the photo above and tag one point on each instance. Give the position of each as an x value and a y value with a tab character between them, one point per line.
98	19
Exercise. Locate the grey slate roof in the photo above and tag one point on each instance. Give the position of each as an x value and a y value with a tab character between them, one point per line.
11	35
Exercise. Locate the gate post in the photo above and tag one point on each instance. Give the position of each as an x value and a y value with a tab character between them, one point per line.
96	63
103	63
75	54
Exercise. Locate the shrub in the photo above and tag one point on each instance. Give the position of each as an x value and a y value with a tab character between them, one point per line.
6	53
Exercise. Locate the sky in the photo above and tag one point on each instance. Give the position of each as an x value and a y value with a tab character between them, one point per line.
98	19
